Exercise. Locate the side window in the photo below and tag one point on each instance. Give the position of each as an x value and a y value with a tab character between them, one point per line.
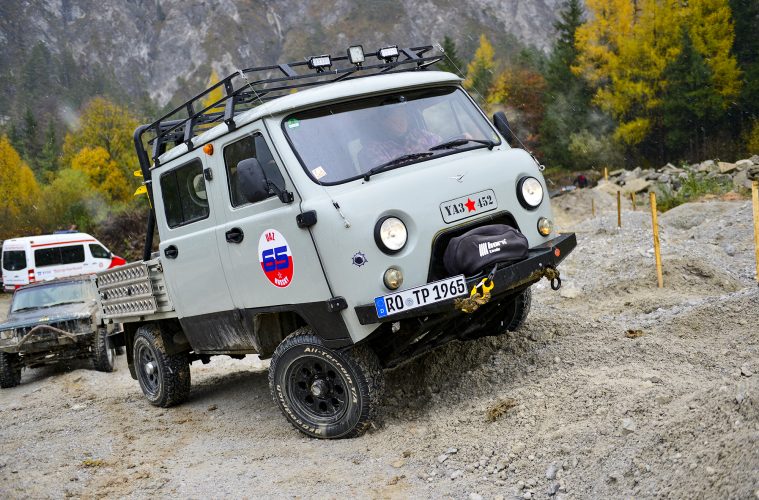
99	252
184	194
253	146
47	257
72	255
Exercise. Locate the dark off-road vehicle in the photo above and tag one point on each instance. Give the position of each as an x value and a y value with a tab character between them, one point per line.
54	321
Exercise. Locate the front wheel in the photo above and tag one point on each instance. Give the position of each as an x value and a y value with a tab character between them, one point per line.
10	370
515	311
102	352
325	393
163	378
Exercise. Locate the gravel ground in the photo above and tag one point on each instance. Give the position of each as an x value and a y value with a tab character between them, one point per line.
614	388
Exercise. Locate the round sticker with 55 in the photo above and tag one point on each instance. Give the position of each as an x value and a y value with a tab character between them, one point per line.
276	258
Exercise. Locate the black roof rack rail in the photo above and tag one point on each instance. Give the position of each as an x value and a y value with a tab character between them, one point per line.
247	88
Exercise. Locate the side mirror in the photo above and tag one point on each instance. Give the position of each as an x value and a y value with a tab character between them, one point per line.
252	181
253	184
502	124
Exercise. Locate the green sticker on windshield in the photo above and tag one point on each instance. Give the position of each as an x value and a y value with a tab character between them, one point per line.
293	123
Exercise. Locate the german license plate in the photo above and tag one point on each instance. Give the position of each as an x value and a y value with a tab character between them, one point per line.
468	206
420	296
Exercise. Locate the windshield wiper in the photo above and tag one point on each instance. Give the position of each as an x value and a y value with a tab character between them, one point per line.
460	142
63	303
25	308
395	161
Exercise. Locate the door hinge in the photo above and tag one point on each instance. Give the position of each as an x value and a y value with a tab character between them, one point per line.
306	219
336	304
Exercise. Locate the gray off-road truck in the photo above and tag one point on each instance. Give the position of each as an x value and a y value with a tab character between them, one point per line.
338	215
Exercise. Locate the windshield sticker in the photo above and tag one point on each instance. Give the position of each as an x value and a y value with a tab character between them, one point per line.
319	172
276	258
293	123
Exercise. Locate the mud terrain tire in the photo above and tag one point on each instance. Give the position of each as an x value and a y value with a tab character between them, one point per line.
325	393
103	354
515	312
164	379
10	370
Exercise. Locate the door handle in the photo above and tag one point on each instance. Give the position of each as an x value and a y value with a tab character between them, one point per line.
171	252
235	235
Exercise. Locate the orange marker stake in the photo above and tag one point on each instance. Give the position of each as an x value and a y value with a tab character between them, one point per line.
593	207
619	208
632	200
606	173
755	199
657	248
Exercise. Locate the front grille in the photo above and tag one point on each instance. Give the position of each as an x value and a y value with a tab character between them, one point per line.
440	241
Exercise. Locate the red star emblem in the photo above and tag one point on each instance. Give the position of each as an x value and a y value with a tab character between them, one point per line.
469	205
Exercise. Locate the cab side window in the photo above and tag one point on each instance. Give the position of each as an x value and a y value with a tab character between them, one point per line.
99	252
184	194
253	146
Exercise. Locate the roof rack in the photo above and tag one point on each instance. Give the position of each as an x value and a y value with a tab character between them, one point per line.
246	89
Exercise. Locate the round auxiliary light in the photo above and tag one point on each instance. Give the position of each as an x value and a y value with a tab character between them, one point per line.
545	226
530	192
393	278
390	234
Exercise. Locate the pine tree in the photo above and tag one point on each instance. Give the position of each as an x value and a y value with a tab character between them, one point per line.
30	139
451	61
746	49
48	157
480	70
691	107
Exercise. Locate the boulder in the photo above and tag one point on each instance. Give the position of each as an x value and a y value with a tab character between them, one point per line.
753	173
636	186
617	172
744	164
707	166
740	180
726	168
755	159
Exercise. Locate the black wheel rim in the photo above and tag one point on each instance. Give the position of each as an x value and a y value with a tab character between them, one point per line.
317	390
147	367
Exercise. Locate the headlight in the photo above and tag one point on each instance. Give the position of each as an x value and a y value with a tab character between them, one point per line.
6	334
545	226
530	192
390	234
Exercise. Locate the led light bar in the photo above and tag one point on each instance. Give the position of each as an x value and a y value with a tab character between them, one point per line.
388	54
356	54
320	63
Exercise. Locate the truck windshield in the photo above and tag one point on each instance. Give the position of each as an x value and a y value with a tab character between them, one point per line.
51	295
343	141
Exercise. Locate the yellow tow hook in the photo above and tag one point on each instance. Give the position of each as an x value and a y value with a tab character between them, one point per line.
480	294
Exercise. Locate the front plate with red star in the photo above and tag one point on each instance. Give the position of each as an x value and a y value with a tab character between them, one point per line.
468	206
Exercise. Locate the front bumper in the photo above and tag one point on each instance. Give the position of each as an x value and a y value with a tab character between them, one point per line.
43	338
507	279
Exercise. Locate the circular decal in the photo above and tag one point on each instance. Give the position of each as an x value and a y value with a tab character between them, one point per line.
276	258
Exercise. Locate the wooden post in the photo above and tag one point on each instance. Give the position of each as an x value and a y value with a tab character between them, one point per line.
755	199
632	200
619	208
593	207
657	248
606	173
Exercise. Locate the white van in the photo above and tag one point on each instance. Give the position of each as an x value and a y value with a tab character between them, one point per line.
50	256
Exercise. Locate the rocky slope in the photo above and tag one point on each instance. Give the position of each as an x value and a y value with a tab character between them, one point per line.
170	46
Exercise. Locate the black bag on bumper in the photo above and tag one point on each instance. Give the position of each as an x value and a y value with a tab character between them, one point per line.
482	247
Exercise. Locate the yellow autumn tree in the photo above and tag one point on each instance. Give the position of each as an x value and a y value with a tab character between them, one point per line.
105	134
18	193
480	70
215	94
102	172
627	44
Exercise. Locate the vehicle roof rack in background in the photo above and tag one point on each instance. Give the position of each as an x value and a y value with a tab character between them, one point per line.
250	87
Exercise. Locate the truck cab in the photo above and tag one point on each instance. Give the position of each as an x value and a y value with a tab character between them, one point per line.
372	215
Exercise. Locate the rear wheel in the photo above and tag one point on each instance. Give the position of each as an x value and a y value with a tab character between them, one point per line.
102	352
325	393
10	370
163	378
